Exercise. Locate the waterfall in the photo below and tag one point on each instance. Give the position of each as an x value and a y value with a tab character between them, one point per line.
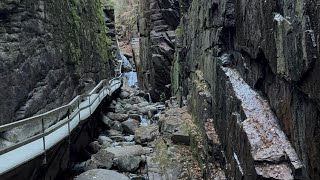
132	75
144	120
149	96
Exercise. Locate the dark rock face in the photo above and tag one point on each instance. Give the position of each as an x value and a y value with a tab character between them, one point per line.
50	52
157	22
272	49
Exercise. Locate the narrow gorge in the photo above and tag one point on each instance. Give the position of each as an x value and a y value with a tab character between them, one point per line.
159	89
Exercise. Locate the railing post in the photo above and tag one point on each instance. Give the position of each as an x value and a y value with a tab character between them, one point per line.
79	109
79	112
89	104
99	97
69	131
58	117
44	142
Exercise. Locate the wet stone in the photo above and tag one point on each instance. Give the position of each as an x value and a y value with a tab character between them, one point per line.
129	163
117	116
130	125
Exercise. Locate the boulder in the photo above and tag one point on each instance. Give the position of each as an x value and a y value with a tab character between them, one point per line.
103	159
117	116
117	126
106	121
94	147
115	135
128	106
119	108
135	150
143	104
181	137
101	174
145	134
129	163
124	94
135	116
130	125
146	109
104	139
135	100
175	129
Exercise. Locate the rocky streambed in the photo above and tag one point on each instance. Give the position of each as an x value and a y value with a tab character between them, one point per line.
142	140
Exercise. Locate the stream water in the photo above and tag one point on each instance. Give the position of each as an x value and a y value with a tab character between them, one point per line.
131	76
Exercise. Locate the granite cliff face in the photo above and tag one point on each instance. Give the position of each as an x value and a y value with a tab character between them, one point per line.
50	51
253	67
158	20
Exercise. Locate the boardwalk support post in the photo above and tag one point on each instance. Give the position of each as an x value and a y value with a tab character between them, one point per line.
44	142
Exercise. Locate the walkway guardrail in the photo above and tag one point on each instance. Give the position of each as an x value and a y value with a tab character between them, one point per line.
65	119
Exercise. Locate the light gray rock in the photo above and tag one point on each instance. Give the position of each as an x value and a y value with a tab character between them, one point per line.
135	100
129	163
103	159
124	94
117	116
104	139
143	104
146	134
130	125
115	135
101	174
146	109
127	106
135	107
135	150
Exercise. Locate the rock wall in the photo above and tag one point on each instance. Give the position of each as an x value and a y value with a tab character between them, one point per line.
158	20
50	51
252	66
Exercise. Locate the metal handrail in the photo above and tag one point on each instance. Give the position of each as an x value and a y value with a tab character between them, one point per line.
70	110
57	110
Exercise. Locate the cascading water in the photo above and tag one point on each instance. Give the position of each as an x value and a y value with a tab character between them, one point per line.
132	75
149	96
144	120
